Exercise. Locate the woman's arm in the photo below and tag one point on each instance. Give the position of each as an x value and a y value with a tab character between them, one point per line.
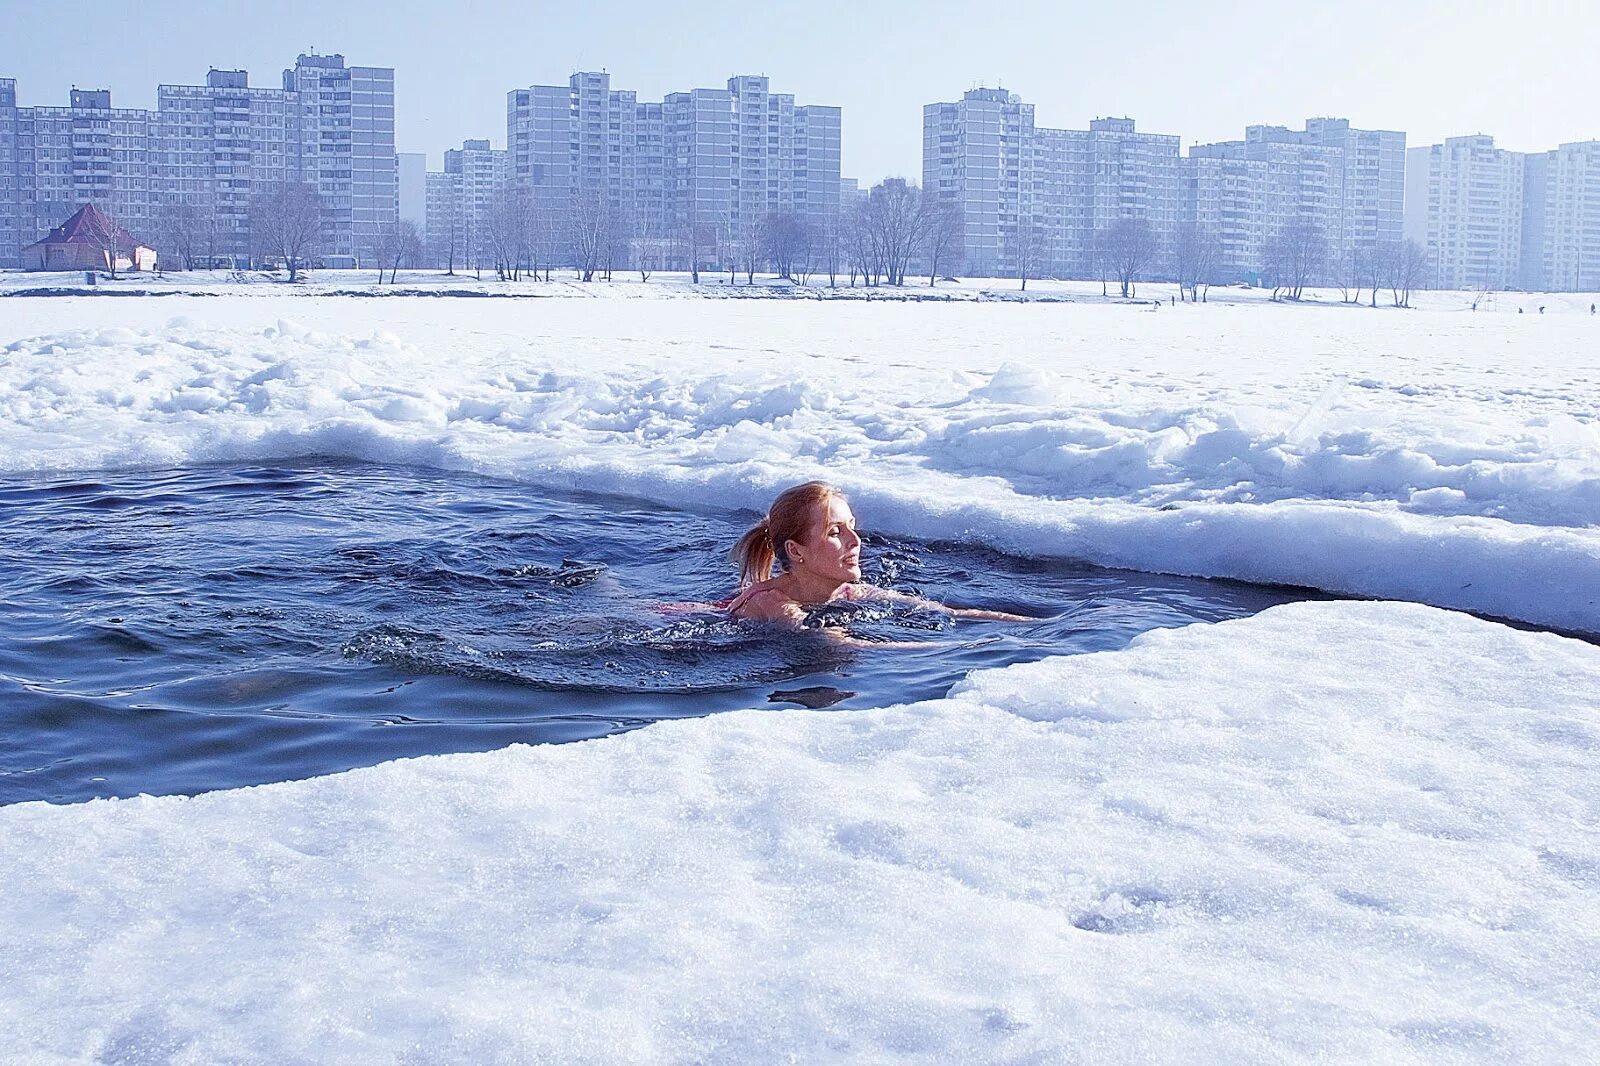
977	614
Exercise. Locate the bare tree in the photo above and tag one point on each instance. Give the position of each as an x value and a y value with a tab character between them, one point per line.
1349	272
549	237
895	228
1296	257
832	245
944	235
396	243
590	222
750	237
1195	254
788	242
1130	247
1405	265
106	235
1027	247
504	230
444	236
286	223
181	232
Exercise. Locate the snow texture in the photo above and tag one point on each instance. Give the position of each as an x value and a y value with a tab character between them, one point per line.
1333	832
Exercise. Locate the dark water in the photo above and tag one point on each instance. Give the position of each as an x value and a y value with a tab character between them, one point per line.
203	628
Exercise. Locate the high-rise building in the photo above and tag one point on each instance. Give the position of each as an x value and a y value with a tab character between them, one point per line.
207	149
1473	213
700	170
13	206
216	146
1349	183
1561	219
1031	199
461	202
64	157
346	148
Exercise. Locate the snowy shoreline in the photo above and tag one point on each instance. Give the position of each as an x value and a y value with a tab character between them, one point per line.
1293	837
1225	441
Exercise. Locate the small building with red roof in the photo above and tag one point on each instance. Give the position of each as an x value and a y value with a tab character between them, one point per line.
89	240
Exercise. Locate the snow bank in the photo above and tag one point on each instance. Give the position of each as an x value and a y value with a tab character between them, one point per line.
1447	458
1334	831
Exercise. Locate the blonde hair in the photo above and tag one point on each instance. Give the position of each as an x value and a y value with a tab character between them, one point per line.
791	517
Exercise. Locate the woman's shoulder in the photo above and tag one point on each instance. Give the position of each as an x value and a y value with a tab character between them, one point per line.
761	600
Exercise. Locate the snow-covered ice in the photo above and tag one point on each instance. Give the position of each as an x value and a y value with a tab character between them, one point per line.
1333	832
1349	831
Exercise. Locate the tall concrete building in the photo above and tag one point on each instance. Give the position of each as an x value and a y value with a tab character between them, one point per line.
1031	198
1561	218
209	148
461	200
11	191
1348	182
1473	213
346	148
217	145
63	157
700	168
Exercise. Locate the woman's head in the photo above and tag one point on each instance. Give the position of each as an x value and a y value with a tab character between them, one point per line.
809	528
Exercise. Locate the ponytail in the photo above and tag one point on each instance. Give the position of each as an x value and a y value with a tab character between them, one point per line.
754	554
794	516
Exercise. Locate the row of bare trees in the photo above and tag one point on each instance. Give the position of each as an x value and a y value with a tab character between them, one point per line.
1299	255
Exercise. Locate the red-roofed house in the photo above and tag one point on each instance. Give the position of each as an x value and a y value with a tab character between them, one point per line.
87	241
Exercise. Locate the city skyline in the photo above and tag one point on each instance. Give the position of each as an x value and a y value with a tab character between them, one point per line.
1433	71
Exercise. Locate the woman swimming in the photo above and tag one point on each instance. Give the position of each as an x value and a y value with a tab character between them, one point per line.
810	532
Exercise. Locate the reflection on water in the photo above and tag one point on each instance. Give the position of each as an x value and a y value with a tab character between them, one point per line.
180	631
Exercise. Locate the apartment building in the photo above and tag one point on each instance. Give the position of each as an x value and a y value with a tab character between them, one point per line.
1031	198
1348	182
216	145
1561	218
1472	215
701	167
210	147
55	159
11	193
461	200
346	148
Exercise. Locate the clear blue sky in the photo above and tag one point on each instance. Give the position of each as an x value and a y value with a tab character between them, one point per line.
1203	71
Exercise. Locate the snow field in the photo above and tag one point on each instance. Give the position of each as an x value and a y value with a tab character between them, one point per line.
1347	831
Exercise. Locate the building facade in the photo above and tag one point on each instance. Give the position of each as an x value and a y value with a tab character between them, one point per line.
696	174
461	201
1031	199
202	155
1473	213
1349	183
1561	219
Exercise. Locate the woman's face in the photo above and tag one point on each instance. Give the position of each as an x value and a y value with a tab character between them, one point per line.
833	550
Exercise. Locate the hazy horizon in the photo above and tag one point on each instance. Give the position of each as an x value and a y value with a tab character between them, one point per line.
1426	68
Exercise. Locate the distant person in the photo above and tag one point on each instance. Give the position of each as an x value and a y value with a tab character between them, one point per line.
810	533
1591	309
1541	309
